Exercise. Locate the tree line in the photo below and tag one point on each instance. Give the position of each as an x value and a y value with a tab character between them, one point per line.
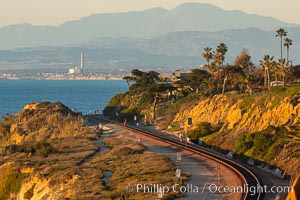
214	77
244	68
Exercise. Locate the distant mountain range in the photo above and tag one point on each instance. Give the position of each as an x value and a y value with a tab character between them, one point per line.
143	24
154	38
172	50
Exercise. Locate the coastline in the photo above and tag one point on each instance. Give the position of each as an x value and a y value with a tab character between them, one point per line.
64	79
73	93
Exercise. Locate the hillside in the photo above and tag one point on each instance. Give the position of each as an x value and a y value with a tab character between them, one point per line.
263	126
273	118
46	152
139	24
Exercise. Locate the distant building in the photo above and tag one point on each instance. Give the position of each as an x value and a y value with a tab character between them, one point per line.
71	71
178	75
78	70
81	61
276	83
204	67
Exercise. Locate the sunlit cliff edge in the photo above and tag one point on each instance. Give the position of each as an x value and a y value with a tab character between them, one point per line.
243	114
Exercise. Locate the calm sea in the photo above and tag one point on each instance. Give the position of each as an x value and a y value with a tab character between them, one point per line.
81	95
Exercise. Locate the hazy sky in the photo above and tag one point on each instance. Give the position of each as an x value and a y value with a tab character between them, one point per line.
56	12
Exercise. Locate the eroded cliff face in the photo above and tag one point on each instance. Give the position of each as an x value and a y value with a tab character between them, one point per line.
46	152
244	114
33	186
42	154
240	116
36	188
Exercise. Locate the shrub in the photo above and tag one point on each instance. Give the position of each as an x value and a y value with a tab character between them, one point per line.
10	182
261	142
146	99
127	114
113	104
241	145
42	148
263	145
203	129
129	151
6	123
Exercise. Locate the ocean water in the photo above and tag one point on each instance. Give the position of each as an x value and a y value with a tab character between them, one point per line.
80	95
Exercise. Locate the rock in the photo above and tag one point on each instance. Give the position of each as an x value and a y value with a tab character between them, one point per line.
229	155
277	172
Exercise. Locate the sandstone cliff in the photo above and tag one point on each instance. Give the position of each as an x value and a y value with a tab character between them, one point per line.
240	116
244	114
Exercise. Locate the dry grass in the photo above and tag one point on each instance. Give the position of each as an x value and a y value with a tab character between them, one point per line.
130	164
66	169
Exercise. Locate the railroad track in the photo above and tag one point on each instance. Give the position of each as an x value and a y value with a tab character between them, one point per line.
248	178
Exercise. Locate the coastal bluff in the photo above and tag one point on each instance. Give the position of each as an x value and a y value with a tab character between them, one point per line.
244	115
246	120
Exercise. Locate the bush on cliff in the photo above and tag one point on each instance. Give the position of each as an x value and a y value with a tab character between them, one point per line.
203	129
6	124
41	148
114	103
264	145
10	182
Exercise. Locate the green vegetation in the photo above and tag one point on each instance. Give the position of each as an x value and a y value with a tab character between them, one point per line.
10	183
282	92
263	145
5	126
203	129
167	111
42	148
146	89
114	103
155	97
248	92
151	95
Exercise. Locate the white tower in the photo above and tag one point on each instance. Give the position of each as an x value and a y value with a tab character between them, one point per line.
81	61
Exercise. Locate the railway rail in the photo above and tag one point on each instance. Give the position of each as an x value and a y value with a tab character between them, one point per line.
248	178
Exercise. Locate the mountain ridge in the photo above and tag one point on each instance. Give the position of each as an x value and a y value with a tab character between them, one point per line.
177	49
138	24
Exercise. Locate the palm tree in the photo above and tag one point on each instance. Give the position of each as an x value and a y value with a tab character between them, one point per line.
207	55
217	62
282	68
287	43
281	33
222	50
273	67
266	64
217	59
